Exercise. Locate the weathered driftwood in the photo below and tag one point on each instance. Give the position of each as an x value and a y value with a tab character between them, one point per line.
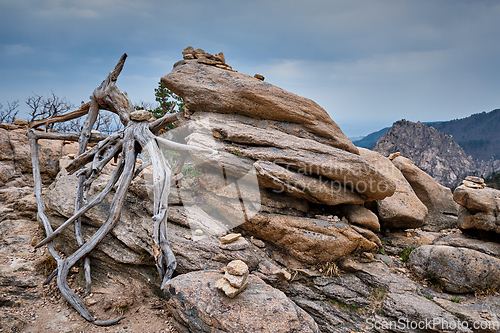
126	144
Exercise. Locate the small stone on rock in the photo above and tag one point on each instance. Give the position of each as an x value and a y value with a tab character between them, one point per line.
20	122
223	66
260	77
240	244
257	242
198	232
221	56
236	281
229	238
198	51
227	288
237	267
394	155
474	179
284	274
188	50
472	184
208	61
140	115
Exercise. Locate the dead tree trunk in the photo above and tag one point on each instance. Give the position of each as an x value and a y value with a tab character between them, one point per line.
127	143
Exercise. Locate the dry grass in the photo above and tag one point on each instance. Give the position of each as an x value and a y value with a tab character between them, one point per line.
46	264
487	293
329	269
121	308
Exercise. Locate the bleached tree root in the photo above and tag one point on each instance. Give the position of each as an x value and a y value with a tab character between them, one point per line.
127	143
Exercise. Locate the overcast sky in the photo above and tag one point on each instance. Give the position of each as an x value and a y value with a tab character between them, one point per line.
367	62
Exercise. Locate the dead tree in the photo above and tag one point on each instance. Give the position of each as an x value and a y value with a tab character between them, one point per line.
136	136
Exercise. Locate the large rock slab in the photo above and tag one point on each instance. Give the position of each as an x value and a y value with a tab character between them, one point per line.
480	209
458	270
198	306
207	88
314	190
443	211
477	199
239	145
403	209
349	170
309	240
395	296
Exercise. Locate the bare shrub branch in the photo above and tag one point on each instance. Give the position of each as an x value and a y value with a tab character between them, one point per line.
9	113
47	107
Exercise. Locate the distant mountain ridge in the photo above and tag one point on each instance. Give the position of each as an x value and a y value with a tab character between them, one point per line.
371	139
478	135
431	150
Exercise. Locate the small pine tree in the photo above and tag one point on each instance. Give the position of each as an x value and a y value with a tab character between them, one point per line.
166	99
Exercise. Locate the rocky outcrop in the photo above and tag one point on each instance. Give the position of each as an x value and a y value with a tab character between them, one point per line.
339	304
455	269
129	241
289	145
198	307
432	151
312	189
336	304
443	211
479	211
303	254
403	209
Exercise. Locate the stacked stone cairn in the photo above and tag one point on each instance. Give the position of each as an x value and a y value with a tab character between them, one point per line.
202	57
235	278
480	208
473	182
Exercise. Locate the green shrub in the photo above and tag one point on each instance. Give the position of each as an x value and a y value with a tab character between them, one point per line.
405	253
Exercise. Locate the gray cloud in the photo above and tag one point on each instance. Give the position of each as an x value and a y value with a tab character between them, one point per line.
368	63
